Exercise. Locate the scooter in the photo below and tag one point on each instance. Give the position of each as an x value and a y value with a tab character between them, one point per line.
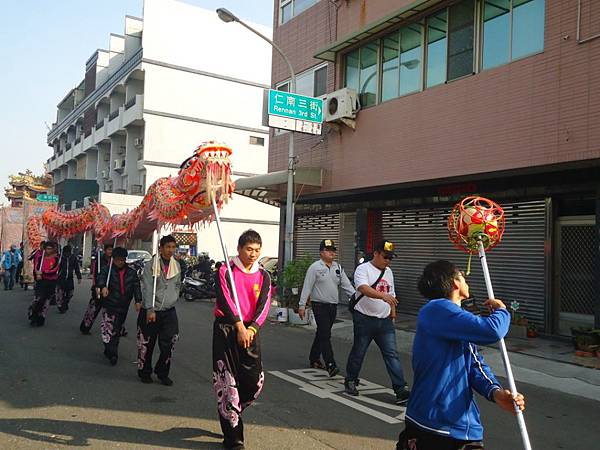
198	285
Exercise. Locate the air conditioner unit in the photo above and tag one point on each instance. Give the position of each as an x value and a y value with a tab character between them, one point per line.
341	106
119	165
105	174
138	142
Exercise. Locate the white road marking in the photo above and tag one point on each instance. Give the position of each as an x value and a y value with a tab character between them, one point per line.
318	383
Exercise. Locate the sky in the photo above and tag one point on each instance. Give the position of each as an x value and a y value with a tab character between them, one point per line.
43	49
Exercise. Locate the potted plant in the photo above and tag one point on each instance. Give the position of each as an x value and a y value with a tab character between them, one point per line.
292	281
532	331
518	323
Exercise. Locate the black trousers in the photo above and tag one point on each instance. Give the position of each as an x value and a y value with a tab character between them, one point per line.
325	314
45	290
110	330
238	379
165	330
415	438
64	294
91	312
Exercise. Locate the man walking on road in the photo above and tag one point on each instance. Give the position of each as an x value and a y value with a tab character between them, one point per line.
374	311
157	320
102	262
10	261
117	290
442	413
322	284
65	287
238	375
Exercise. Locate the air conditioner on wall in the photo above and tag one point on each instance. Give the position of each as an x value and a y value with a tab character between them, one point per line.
341	106
105	174
119	164
138	142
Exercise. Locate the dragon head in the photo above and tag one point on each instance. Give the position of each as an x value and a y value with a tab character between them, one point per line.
208	169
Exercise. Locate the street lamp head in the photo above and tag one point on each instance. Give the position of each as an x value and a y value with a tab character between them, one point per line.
226	16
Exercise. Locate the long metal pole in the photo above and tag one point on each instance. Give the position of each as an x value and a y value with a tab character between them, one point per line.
156	266
110	264
289	205
504	352
226	257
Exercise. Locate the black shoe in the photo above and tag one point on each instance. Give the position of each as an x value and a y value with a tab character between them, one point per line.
166	381
402	396
350	387
332	370
317	365
147	379
84	331
238	446
113	360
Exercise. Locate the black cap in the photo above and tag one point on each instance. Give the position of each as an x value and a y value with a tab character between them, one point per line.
327	244
386	247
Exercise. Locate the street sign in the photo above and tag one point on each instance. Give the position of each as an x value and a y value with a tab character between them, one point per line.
301	126
47	198
295	106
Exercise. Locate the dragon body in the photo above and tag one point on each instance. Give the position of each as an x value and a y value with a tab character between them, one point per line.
183	199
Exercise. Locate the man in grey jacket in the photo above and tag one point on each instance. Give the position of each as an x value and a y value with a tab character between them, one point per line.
157	319
322	284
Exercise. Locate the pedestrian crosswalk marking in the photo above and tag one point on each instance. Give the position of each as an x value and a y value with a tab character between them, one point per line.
317	382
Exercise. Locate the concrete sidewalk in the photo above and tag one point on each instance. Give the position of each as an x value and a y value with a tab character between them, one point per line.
539	361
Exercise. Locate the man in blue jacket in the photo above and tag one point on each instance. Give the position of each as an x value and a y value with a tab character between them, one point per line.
442	413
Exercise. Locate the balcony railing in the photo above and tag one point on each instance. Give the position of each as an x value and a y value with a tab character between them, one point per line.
130	102
100	124
113	115
127	67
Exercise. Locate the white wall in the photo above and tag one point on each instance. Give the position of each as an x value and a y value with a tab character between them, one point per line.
189	94
183	34
173	140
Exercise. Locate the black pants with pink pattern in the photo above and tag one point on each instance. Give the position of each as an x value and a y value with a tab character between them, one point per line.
91	312
165	330
238	379
44	292
110	330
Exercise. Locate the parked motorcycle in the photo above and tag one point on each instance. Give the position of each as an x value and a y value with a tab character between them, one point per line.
199	284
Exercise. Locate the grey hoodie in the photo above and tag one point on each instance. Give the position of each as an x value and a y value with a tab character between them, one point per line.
167	290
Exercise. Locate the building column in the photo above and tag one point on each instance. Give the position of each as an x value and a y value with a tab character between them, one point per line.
596	269
87	249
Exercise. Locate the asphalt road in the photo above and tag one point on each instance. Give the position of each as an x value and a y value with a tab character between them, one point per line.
58	391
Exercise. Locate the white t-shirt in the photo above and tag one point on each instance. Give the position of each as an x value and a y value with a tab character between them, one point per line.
365	275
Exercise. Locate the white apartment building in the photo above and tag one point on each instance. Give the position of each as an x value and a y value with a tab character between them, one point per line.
178	76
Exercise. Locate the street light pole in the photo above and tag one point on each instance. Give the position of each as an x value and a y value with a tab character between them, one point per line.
227	16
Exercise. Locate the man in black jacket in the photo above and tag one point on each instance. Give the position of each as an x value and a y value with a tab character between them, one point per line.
94	306
69	265
117	290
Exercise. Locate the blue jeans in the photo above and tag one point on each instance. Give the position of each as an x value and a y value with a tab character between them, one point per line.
382	331
9	277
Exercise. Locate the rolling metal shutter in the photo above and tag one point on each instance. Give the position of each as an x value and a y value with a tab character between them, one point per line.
311	230
517	265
